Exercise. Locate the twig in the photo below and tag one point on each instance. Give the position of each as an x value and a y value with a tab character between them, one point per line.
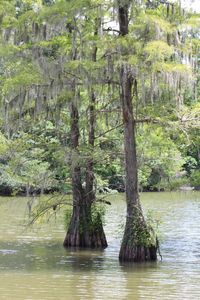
109	130
111	29
158	248
103	201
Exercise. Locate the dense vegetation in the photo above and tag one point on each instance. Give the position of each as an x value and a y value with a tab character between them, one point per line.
37	71
80	79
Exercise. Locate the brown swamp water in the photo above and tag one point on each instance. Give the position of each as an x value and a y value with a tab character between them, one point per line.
34	265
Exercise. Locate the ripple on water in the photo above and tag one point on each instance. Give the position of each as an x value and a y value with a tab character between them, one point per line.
8	251
35	266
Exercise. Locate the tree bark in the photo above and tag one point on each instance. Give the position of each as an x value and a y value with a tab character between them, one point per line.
82	232
136	245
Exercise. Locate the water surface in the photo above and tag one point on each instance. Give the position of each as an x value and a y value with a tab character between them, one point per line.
34	265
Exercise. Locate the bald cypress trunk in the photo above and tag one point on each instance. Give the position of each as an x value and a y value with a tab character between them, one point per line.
74	237
137	244
99	238
82	232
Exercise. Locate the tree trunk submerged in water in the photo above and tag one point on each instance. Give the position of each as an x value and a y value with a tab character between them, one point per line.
82	233
139	241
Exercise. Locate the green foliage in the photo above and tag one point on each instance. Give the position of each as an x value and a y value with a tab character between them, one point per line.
143	176
192	22
176	68
27	5
150	25
39	64
67	217
25	165
97	216
4	144
145	233
195	178
159	157
47	207
176	183
158	51
7	12
7	50
20	76
190	164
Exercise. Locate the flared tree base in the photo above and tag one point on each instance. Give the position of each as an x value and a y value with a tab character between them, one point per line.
140	243
81	240
85	236
137	253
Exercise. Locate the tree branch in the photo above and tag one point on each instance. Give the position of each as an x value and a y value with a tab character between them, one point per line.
111	29
147	120
109	130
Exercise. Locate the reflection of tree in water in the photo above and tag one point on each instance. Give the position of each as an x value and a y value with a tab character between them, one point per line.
84	260
83	266
110	283
30	202
34	255
138	278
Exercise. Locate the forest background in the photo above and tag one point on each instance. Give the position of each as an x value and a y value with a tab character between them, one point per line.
43	57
